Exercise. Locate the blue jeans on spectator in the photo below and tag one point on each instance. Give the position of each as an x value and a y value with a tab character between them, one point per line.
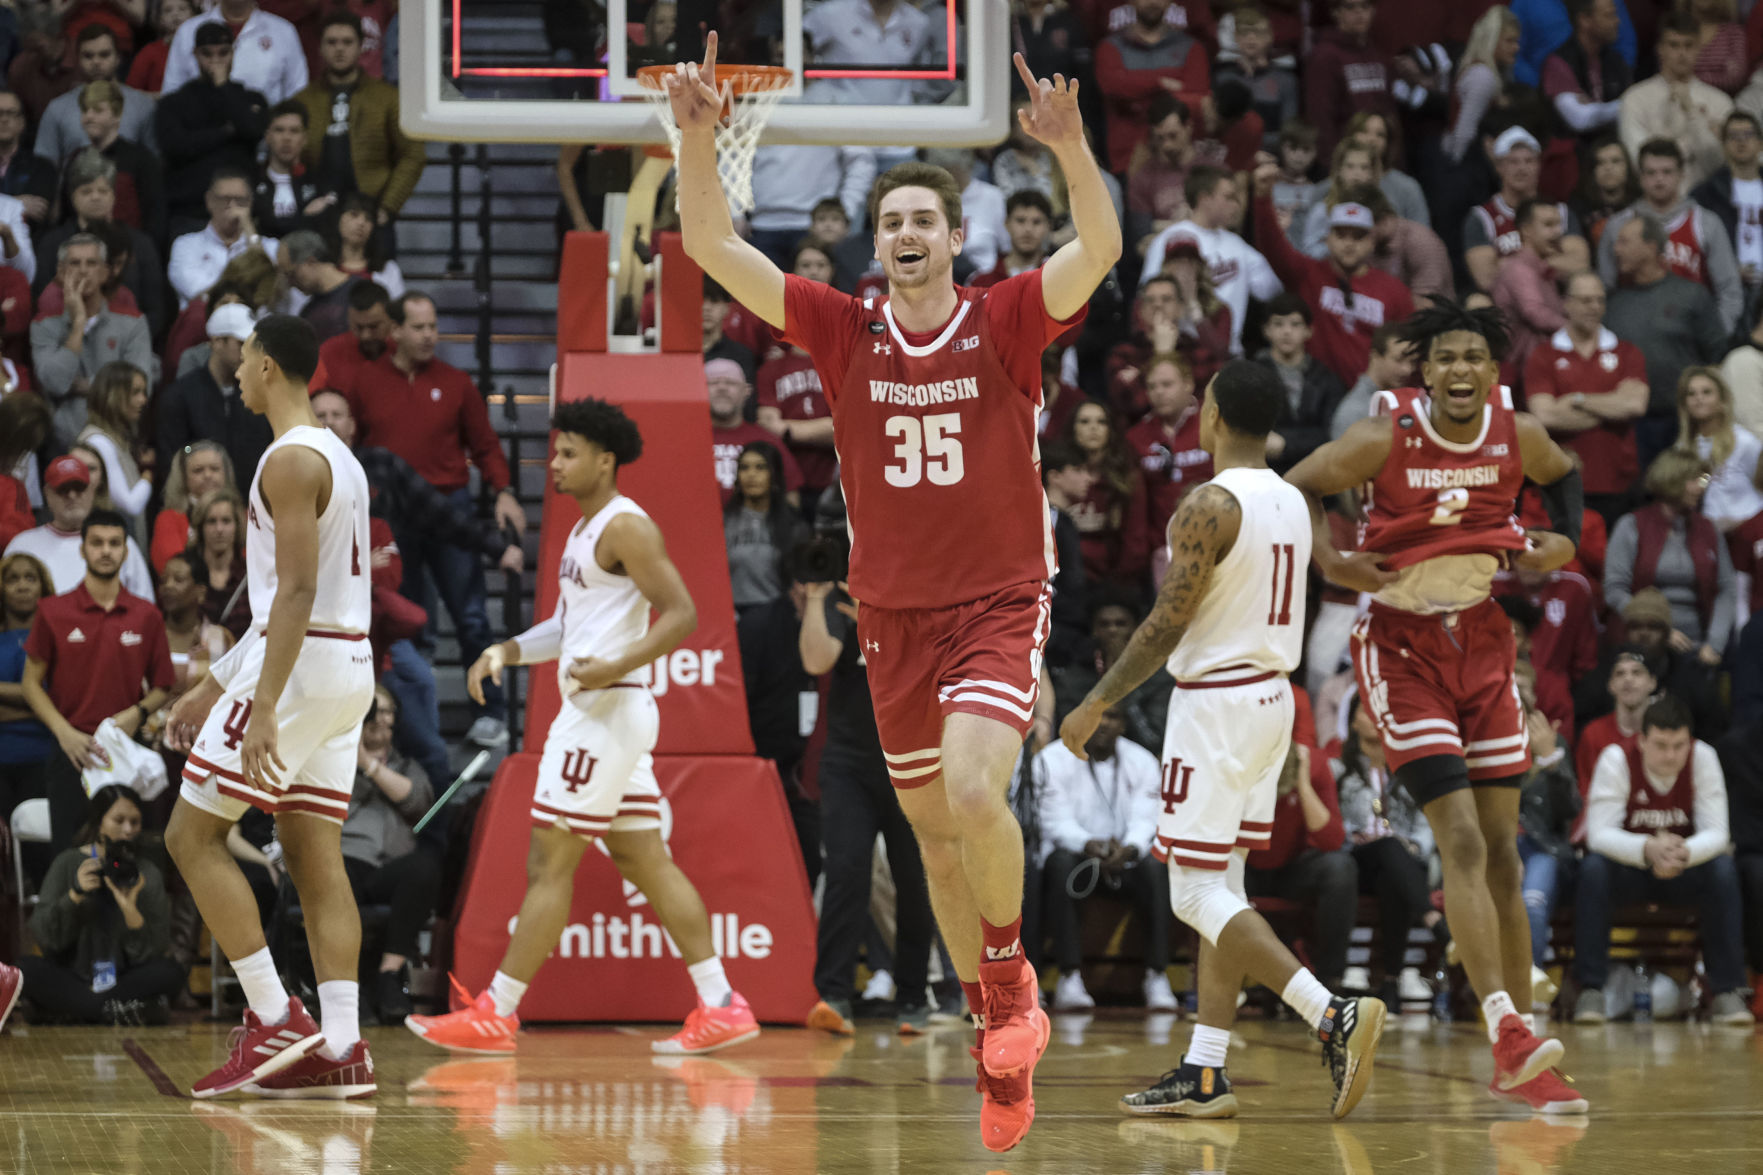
1711	887
1542	879
457	574
417	732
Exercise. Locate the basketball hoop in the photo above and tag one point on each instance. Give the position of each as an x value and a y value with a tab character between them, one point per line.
754	94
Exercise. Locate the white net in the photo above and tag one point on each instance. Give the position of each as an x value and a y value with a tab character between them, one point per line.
755	97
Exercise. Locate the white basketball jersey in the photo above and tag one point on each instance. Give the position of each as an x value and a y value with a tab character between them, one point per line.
603	614
344	602
1252	615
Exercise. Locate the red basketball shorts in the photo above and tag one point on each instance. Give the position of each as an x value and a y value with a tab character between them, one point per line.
1443	685
981	657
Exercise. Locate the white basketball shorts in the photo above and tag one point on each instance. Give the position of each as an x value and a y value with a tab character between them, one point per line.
597	773
1223	751
318	728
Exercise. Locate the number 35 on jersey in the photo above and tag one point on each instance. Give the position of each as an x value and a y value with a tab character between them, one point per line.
926	448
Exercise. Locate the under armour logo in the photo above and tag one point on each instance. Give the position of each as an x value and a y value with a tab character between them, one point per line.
872	646
884	348
1412	442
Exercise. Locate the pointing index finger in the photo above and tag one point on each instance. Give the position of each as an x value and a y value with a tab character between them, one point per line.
1028	78
710	54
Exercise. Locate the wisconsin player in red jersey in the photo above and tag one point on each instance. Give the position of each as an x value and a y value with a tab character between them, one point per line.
1440	474
935	392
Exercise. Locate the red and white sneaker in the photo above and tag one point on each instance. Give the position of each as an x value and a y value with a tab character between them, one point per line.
318	1077
1548	1093
1007	1105
708	1029
11	983
1520	1056
475	1028
260	1050
1016	1028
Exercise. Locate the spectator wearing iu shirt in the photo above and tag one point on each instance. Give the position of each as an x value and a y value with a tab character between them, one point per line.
209	122
88	655
354	142
286	198
1349	298
91	193
1490	230
1135	65
725	382
1734	194
1346	73
197	258
1656	830
1673	321
59	133
68	349
23	175
268	57
430	413
369	320
1697	245
1166	445
1313	392
1586	76
1588	387
1239	272
322	289
1674	105
204	404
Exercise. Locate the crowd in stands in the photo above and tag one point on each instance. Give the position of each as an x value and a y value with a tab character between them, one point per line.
1293	179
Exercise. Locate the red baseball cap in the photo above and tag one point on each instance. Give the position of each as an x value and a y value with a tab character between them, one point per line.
66	471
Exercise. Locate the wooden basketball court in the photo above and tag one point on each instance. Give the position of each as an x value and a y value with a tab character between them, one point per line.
1665	1099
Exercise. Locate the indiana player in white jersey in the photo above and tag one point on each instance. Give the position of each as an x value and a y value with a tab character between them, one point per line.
280	720
596	777
1229	625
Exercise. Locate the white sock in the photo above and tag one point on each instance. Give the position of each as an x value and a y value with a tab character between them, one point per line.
506	991
1496	1008
1306	996
1208	1046
339	1004
263	987
713	988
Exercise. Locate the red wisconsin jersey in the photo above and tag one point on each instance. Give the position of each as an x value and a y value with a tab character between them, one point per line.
936	438
1437	500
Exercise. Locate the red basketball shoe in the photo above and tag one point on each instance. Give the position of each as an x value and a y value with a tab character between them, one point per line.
317	1076
260	1050
475	1028
1547	1093
1007	1106
11	983
708	1029
1520	1056
1016	1029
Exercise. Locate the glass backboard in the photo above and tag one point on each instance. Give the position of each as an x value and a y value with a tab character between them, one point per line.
487	71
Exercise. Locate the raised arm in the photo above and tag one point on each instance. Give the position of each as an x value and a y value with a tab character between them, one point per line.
708	233
1200	534
635	544
1073	273
1343	464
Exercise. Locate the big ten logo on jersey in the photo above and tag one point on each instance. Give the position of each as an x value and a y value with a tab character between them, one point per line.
683	667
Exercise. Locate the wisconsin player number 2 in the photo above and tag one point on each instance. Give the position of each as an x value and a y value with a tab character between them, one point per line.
926	449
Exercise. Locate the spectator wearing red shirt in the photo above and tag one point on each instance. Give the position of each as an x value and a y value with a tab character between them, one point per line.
792	404
1166	447
1633	681
1135	65
725	382
94	653
1303	862
1345	73
1028	222
1349	298
430	414
147	71
1564	643
1588	387
1524	290
341	358
1156	188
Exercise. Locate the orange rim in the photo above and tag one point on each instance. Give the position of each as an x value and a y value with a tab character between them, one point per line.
743	79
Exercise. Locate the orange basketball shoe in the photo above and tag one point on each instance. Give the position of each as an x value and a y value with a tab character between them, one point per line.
1547	1093
1519	1056
1016	1028
1007	1106
475	1028
708	1029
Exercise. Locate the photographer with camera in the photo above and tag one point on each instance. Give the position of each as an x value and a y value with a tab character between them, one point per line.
856	798
104	926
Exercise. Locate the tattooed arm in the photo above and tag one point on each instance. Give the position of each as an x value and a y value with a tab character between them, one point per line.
1200	534
1345	463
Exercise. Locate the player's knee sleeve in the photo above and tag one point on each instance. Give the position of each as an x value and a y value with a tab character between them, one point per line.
1203	899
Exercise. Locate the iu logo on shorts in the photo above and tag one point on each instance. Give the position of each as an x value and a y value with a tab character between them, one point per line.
578	768
234	726
1176	779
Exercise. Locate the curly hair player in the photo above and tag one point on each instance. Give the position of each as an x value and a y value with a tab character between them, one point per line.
596	777
1440	470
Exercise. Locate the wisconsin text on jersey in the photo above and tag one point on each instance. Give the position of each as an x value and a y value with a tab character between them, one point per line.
1448	479
883	391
